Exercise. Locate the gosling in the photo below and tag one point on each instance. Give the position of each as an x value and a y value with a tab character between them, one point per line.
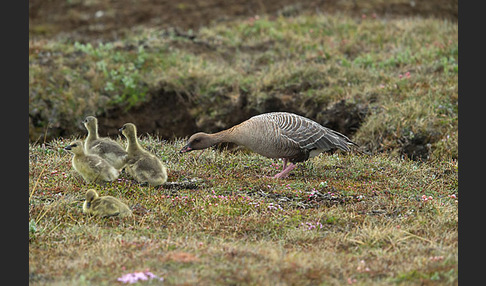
106	206
142	165
91	167
104	147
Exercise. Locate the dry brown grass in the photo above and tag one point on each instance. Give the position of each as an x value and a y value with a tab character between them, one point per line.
371	223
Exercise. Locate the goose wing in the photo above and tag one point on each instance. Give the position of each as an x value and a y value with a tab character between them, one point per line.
307	133
109	207
104	145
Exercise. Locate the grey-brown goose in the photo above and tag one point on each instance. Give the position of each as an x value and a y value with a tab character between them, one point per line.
289	136
91	167
105	206
142	165
104	147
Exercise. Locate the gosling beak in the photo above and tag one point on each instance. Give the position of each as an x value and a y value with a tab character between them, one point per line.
68	147
120	130
186	149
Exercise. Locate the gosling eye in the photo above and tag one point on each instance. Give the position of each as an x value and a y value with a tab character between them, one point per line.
74	145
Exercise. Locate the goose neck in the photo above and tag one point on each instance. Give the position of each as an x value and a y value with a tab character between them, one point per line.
222	136
93	133
133	144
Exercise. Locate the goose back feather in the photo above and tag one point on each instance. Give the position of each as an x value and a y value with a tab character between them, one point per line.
142	165
288	135
104	147
91	167
106	206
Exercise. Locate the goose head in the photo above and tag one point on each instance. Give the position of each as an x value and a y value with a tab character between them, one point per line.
90	122
75	147
128	129
91	195
198	141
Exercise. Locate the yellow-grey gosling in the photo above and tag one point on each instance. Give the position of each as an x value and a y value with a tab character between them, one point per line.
105	206
104	147
91	167
142	165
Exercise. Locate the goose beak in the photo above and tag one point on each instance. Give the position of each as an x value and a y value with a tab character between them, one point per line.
185	149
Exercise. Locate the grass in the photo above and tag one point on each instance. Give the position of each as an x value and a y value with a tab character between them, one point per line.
403	70
338	219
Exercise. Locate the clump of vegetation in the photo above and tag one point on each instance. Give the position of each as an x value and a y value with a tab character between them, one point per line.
340	218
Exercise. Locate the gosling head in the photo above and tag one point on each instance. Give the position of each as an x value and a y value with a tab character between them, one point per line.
76	147
90	122
128	129
198	141
91	195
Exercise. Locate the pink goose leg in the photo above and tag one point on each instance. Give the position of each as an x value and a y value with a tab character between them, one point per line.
285	170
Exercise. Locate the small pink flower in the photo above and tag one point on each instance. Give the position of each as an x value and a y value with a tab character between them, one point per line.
362	267
436	258
136	276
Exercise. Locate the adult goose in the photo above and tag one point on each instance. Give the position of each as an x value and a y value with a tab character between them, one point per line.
289	136
105	206
142	165
104	147
91	167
